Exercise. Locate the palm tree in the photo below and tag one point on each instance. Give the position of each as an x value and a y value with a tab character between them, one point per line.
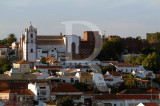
131	83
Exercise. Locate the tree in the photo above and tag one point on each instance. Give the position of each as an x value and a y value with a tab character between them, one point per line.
138	37
66	101
131	83
108	68
129	37
43	60
131	59
3	61
81	86
111	49
4	65
152	62
140	59
11	38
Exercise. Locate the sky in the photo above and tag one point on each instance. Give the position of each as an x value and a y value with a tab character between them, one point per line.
114	17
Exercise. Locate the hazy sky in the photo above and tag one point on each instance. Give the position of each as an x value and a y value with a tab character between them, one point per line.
116	17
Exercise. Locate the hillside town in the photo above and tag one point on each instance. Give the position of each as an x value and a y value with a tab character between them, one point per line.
50	70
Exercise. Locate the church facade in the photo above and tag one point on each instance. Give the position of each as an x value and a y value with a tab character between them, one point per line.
34	46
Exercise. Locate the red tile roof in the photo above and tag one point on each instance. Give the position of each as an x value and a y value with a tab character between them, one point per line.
19	91
149	75
65	88
114	73
49	58
150	104
154	91
122	64
143	81
137	97
105	76
70	70
23	62
108	79
3	46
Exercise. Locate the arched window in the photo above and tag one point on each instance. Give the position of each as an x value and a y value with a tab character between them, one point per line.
31	35
73	48
31	50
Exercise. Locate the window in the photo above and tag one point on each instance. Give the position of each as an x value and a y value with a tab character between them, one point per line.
42	87
31	35
126	70
31	50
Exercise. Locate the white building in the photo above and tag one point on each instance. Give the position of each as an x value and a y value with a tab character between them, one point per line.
41	91
112	78
99	82
35	46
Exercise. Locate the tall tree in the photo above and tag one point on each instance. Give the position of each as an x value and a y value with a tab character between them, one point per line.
152	62
111	49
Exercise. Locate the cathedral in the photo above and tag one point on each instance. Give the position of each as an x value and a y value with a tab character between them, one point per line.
34	46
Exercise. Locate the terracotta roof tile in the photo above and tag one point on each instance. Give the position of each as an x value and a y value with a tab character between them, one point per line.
114	73
105	76
49	58
70	70
137	97
19	91
3	46
108	79
154	91
23	62
65	88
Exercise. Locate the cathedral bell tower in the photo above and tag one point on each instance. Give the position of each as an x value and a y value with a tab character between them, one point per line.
30	46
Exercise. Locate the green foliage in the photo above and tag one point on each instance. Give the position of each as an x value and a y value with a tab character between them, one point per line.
81	86
138	37
131	83
129	37
32	71
140	59
108	68
66	101
53	102
131	59
4	65
131	76
155	38
43	60
111	49
152	62
9	40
